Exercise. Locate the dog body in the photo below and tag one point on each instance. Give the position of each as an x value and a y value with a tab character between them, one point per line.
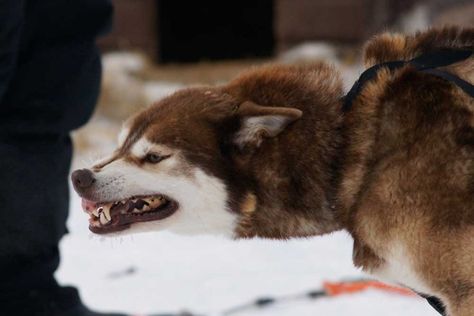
271	154
407	191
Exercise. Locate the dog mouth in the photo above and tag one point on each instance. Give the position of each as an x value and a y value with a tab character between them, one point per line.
108	217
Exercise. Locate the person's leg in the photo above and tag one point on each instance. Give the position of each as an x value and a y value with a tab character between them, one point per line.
53	91
34	204
33	211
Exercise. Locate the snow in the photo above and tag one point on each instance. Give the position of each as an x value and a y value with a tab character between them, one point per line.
123	61
155	90
309	51
161	272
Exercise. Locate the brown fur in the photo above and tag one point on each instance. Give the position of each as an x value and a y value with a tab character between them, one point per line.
206	120
398	168
409	170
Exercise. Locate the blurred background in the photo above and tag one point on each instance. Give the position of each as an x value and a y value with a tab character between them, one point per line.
159	46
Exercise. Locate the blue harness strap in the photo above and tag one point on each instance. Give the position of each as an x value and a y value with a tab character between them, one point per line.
425	63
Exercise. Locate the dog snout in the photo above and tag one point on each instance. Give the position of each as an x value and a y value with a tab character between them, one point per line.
82	179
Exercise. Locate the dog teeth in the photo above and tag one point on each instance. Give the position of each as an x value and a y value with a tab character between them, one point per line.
107	214
103	220
97	211
102	214
155	201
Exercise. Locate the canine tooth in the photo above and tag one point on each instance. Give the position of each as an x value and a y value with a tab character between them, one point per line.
96	213
102	219
146	207
107	214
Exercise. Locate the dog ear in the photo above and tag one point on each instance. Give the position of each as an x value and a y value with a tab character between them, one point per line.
259	122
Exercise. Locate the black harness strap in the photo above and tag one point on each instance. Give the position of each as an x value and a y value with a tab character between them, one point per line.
461	83
425	63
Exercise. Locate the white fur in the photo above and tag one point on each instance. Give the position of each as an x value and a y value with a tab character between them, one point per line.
141	147
202	198
123	135
399	269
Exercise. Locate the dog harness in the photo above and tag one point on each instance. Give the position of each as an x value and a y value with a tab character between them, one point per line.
425	63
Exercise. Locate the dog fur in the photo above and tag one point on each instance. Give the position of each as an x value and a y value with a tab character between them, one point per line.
407	192
271	154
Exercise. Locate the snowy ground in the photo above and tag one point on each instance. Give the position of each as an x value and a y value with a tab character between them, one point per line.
161	272
207	275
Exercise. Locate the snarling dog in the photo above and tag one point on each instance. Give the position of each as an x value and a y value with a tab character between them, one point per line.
272	154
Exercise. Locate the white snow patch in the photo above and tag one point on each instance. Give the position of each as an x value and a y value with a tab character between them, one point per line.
309	51
207	275
123	61
417	19
156	90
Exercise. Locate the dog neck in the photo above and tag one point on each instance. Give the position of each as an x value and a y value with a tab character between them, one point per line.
296	178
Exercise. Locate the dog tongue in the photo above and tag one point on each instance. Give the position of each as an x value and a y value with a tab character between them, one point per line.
88	206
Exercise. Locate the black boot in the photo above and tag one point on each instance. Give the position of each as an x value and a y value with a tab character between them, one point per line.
29	289
61	301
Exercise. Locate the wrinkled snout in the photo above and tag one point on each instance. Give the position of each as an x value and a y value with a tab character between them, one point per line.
82	180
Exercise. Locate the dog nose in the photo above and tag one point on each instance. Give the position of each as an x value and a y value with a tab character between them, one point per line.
82	179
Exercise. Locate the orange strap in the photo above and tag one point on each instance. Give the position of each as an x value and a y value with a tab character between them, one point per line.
339	288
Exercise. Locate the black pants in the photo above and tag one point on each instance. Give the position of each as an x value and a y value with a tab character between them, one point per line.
49	82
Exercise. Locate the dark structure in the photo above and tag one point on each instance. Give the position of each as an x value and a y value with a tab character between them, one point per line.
186	31
221	30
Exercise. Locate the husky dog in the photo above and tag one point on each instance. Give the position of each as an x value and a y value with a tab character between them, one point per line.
272	154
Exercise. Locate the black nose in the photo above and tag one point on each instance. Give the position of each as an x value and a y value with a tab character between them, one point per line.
82	179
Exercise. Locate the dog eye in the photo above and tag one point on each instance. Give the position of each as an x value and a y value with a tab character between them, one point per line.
155	158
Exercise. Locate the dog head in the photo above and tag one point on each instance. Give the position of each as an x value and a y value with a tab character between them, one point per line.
192	163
